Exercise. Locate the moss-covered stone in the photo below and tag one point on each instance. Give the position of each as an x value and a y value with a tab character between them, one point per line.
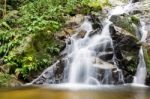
126	22
126	48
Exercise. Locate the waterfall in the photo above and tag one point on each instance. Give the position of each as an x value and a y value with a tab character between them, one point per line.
141	68
84	63
83	51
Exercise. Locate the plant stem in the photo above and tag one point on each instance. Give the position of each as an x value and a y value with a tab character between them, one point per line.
4	11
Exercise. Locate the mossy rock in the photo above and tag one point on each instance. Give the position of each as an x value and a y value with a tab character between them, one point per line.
126	49
126	22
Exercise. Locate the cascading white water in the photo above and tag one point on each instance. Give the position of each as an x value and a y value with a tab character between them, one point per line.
141	68
83	50
84	53
122	9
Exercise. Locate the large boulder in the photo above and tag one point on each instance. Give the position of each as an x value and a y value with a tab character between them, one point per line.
142	11
131	23
126	49
125	22
52	75
107	73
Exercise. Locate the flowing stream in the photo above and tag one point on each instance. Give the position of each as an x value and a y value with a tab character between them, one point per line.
84	53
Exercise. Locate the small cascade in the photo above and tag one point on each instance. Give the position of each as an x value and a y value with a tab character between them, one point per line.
118	10
84	53
141	68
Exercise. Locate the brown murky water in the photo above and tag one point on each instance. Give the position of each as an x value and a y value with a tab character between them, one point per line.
125	92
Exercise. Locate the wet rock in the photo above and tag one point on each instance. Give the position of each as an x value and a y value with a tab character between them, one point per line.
74	21
106	73
96	25
109	76
96	22
142	11
52	75
81	34
126	49
106	56
148	80
128	79
102	64
125	22
134	1
96	31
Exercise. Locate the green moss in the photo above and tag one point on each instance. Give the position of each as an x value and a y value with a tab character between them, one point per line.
127	25
135	20
126	22
132	66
